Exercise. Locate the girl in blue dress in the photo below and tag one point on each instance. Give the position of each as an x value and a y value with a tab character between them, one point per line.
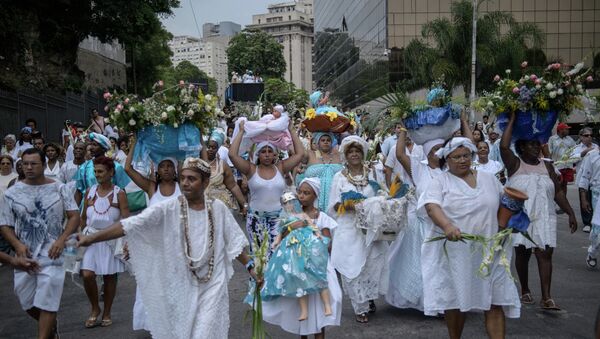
298	266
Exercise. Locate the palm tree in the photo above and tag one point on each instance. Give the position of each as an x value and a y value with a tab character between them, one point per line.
445	48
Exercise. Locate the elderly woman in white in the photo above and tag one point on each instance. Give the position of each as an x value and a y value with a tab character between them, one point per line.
464	200
363	268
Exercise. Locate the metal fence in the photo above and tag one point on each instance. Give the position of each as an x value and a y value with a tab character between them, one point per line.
50	110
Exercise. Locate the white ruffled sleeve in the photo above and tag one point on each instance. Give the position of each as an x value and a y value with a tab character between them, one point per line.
135	226
233	236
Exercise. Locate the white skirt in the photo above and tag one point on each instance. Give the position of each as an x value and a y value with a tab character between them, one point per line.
139	312
100	259
285	311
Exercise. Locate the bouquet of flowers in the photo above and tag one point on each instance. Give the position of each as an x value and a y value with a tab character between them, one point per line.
172	106
538	100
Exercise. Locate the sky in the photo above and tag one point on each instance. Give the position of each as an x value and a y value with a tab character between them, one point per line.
238	11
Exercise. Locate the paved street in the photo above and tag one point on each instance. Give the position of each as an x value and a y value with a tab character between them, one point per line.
575	288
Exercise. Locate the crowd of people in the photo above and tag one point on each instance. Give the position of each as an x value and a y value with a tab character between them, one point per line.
172	225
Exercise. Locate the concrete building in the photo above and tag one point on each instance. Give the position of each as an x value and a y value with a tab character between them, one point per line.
221	29
103	64
355	40
209	56
291	23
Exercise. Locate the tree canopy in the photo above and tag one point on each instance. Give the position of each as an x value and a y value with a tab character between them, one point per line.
257	51
502	43
40	39
188	72
278	91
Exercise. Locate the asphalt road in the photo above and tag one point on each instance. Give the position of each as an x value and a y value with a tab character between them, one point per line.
575	289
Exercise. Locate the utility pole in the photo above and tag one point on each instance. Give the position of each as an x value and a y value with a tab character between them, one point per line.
473	60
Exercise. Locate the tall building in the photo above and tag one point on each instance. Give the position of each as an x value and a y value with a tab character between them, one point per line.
221	29
209	56
291	23
354	40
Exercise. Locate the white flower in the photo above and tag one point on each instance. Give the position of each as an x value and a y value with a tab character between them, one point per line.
526	77
131	109
208	97
559	91
579	87
116	113
538	86
131	122
207	108
552	94
163	115
549	86
175	125
490	104
190	113
507	71
170	109
299	292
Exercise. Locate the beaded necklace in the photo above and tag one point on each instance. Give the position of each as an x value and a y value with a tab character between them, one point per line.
194	264
359	180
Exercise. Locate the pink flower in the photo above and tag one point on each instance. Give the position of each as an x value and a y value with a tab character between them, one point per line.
119	107
106	95
556	66
106	107
516	90
126	101
524	64
589	78
496	78
538	81
161	83
533	77
192	86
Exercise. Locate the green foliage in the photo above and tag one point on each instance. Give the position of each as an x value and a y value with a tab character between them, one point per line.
502	43
278	91
257	51
187	72
147	59
40	39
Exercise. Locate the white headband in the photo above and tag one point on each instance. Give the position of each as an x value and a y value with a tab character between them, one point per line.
453	144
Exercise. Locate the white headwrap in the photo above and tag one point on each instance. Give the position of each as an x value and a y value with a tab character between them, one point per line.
260	146
314	183
11	137
279	108
455	143
354	139
172	160
429	145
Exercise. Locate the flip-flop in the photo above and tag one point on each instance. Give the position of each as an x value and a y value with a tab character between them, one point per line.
549	305
527	299
91	322
106	322
362	318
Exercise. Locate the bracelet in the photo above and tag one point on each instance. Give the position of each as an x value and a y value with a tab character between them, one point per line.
250	265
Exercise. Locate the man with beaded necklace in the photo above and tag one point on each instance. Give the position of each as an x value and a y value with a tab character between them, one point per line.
183	277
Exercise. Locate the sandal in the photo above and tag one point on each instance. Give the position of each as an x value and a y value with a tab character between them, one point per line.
91	322
549	305
527	299
590	262
372	307
106	322
362	318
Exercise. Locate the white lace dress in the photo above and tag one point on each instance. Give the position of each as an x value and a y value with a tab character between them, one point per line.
177	304
363	268
284	311
451	281
536	182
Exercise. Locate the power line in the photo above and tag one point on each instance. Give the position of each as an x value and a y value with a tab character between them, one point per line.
195	20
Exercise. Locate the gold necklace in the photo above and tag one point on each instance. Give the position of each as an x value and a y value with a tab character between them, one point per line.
192	262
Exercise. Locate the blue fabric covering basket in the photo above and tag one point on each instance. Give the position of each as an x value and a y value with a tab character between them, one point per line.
159	142
433	123
530	125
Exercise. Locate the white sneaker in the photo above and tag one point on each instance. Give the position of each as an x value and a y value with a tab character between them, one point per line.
587	228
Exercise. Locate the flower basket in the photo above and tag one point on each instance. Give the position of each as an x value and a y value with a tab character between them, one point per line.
433	123
530	125
159	142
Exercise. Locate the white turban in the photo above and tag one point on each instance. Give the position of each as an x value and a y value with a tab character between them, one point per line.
455	143
260	146
314	183
351	140
429	145
279	108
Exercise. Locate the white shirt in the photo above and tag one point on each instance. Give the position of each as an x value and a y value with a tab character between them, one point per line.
558	147
588	174
580	148
397	169
387	144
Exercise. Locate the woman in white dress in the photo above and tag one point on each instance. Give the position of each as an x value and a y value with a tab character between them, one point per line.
6	172
53	163
104	205
363	268
284	311
530	174
163	188
406	281
464	200
484	164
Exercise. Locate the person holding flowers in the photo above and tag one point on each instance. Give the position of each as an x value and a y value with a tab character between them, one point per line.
266	184
461	201
363	268
538	179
